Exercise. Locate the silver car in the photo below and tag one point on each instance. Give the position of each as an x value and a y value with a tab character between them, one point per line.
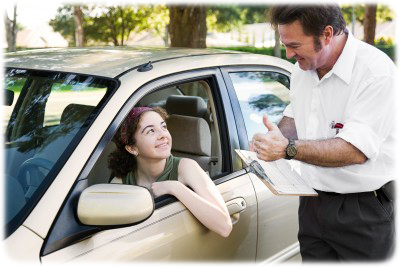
62	109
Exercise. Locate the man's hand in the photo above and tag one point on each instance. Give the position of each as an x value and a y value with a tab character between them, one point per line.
270	146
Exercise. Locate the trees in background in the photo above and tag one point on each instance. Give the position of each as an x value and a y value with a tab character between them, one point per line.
11	30
383	13
368	15
224	18
187	25
183	25
65	24
229	17
158	22
104	24
370	23
78	20
115	23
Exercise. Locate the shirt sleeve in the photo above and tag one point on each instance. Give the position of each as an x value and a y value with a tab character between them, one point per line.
288	112
369	117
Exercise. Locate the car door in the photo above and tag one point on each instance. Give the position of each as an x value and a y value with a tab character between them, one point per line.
172	233
254	91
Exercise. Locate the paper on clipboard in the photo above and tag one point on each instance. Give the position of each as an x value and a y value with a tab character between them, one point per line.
277	175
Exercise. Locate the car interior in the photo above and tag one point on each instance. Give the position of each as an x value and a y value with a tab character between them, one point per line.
192	124
35	163
35	141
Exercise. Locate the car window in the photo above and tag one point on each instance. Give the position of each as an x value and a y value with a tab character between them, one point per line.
64	94
259	93
194	89
193	102
185	103
49	112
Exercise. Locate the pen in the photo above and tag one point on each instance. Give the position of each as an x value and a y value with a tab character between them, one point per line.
256	168
336	126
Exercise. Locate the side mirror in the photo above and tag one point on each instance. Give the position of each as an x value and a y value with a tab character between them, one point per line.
8	97
114	204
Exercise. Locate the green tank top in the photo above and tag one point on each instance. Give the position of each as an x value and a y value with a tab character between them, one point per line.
170	172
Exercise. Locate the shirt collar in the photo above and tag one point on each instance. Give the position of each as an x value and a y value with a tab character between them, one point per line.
343	67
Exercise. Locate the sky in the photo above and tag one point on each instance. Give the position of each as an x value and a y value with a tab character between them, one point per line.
31	13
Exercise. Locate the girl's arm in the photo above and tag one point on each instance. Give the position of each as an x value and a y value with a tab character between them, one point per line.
205	203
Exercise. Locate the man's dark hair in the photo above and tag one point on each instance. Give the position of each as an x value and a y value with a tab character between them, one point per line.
313	18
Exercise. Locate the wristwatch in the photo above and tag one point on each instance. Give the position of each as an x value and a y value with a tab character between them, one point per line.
291	149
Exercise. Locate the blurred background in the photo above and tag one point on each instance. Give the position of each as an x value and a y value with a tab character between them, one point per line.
234	26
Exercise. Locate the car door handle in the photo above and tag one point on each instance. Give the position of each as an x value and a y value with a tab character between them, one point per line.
235	206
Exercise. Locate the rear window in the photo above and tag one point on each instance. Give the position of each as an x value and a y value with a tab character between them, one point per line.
43	122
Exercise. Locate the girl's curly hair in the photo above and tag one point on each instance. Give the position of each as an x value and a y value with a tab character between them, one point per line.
120	161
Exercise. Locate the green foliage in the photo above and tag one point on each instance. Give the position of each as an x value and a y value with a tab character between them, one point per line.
159	19
387	49
254	14
64	23
104	24
20	27
115	23
383	13
14	84
384	41
264	51
359	11
224	18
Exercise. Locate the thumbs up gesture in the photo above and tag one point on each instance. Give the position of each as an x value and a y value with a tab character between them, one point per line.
269	124
269	146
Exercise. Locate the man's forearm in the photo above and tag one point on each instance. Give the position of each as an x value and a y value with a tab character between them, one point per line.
334	152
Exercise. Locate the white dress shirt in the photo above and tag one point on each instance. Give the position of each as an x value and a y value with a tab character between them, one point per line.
358	92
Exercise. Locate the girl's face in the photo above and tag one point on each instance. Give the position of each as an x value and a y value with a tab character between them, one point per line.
153	139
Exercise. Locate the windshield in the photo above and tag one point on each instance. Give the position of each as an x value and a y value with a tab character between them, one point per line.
43	122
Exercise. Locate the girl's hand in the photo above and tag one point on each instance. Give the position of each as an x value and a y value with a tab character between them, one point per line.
164	188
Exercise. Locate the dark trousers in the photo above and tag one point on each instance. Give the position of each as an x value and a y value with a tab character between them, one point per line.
346	227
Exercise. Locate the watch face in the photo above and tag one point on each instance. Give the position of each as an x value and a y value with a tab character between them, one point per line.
291	151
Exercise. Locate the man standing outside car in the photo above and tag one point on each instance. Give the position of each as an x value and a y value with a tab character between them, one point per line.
340	125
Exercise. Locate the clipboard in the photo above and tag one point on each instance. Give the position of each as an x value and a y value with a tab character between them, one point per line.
277	175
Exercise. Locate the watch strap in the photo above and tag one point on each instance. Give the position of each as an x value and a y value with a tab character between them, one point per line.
291	146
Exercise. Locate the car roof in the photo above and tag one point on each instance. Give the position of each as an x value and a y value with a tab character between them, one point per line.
114	61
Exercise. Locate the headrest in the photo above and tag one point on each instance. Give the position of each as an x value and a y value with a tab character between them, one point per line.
75	113
190	135
193	106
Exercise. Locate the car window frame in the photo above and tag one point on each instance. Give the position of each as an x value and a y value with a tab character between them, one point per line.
163	82
228	134
242	131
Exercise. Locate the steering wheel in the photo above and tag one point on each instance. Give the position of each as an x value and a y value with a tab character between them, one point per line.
31	176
